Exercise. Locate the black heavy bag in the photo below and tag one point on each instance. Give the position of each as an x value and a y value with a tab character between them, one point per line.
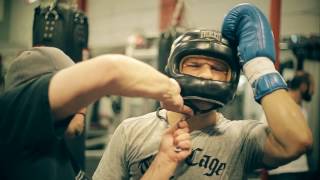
66	29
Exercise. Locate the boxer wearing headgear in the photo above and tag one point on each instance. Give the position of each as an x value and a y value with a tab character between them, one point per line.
221	148
206	44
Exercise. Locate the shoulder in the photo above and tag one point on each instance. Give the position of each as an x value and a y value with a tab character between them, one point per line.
227	123
240	126
32	89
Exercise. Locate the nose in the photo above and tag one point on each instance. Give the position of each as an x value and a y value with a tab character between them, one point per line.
205	72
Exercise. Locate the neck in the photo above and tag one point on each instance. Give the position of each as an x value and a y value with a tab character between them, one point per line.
195	122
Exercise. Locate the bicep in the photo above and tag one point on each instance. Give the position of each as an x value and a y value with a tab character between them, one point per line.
76	87
274	154
262	148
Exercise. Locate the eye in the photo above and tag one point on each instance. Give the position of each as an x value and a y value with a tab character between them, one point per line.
219	67
192	65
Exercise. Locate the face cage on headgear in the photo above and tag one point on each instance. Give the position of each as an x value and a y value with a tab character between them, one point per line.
204	43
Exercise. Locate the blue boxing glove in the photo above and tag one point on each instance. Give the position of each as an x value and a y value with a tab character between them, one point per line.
246	27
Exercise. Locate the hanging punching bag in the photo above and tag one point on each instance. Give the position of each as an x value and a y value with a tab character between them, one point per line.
66	29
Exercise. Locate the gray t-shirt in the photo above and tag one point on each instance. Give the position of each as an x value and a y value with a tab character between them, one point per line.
228	150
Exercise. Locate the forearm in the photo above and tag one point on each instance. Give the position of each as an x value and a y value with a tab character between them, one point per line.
83	83
288	125
160	169
138	79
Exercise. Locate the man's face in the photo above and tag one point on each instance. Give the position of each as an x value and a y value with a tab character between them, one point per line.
206	68
307	92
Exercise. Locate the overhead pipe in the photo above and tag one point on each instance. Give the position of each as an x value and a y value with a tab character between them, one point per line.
275	21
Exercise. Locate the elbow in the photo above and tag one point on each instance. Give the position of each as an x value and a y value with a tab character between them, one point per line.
302	145
307	142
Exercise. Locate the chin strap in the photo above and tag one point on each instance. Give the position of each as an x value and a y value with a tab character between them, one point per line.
159	116
197	111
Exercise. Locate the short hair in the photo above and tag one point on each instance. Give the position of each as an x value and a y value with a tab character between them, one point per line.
299	78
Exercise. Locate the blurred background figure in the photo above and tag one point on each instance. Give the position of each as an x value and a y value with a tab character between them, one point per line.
301	88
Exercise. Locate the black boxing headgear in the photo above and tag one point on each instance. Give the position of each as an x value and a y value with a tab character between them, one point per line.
207	43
